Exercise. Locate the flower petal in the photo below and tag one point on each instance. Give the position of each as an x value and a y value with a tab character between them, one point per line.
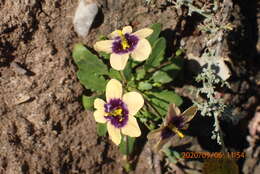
99	116
104	45
131	128
143	33
176	109
173	111
99	104
118	61
114	133
189	113
113	90
114	34
127	29
154	134
134	102
142	50
160	144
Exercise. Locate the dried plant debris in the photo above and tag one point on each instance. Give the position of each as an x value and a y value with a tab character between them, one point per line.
251	164
84	16
254	126
254	131
220	166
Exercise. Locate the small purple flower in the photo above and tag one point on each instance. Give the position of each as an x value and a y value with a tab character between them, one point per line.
177	122
117	112
173	123
132	41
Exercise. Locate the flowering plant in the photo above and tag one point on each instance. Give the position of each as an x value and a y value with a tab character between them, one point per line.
126	91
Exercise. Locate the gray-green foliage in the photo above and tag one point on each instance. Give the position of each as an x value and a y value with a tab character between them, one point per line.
206	12
213	105
214	26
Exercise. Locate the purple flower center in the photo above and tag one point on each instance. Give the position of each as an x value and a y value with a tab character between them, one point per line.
118	47
167	133
177	121
116	112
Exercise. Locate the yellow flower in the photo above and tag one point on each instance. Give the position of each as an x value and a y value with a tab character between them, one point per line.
118	111
124	43
174	122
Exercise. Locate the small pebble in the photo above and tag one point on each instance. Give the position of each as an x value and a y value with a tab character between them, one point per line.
21	98
84	17
18	69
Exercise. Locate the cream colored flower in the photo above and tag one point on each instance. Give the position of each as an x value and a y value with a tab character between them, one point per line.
125	43
118	111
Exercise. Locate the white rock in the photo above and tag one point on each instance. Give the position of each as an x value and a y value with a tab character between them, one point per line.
84	16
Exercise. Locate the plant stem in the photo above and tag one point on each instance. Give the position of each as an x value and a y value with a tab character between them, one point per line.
160	66
220	133
151	106
127	150
123	77
193	8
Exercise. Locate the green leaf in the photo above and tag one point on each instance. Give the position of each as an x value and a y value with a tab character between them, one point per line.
88	102
156	32
149	115
160	105
128	167
140	74
127	147
87	61
157	54
170	155
101	129
128	71
161	77
113	74
144	86
179	52
91	68
176	154
104	55
148	118
93	82
134	63
169	151
168	96
176	64
131	85
174	68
